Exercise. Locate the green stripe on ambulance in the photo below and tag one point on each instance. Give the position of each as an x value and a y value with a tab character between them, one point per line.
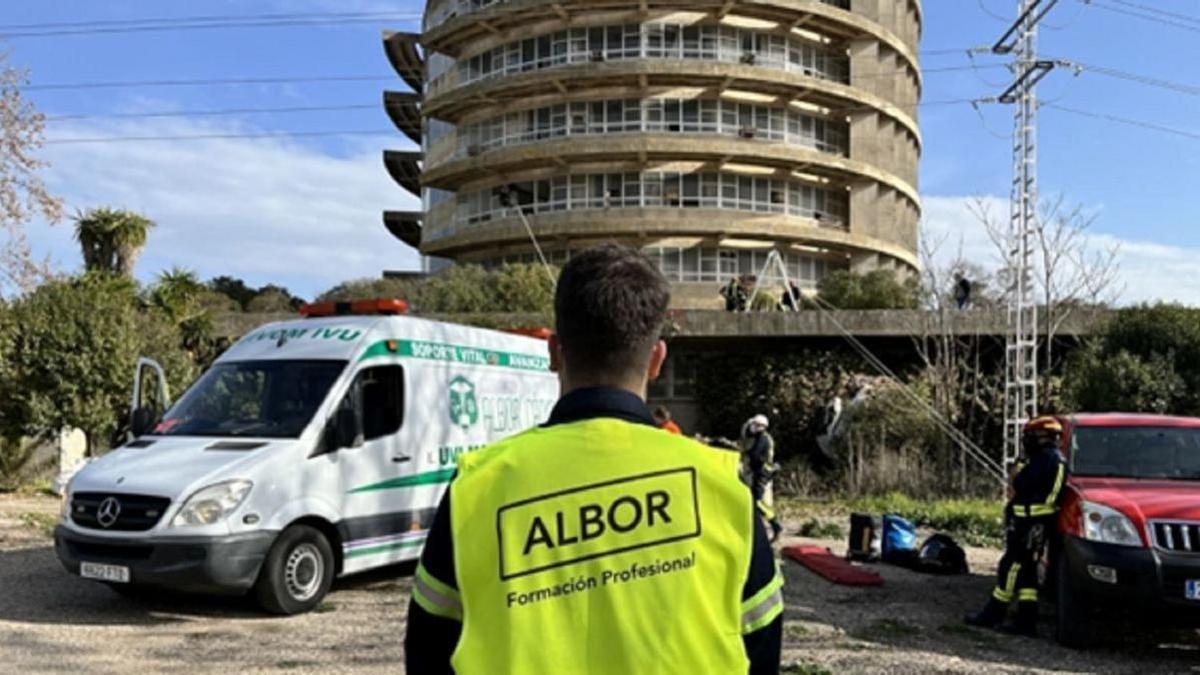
448	353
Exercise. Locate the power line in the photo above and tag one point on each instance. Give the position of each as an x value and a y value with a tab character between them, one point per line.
940	52
269	134
68	86
1141	15
1124	120
223	136
299	109
217	112
197	19
203	26
923	71
207	82
983	8
1156	10
1191	90
952	101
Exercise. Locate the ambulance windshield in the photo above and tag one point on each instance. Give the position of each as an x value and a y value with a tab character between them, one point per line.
265	399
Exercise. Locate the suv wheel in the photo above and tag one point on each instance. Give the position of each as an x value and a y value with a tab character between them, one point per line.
297	573
1073	619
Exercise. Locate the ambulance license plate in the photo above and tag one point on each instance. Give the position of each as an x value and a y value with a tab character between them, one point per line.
1192	592
112	573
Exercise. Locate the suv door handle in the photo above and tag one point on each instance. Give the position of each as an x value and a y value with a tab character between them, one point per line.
400	459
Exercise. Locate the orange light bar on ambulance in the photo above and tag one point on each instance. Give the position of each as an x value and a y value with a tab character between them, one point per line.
539	333
357	307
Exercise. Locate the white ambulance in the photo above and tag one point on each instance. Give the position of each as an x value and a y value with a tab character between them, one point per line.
312	449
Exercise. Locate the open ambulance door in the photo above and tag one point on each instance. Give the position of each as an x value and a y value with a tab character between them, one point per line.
150	397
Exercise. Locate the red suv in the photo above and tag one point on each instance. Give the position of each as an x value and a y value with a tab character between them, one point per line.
1130	522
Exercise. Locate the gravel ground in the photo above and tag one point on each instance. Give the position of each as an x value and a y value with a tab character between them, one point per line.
912	624
53	622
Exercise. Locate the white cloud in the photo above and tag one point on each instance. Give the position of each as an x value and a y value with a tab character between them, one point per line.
1148	271
266	210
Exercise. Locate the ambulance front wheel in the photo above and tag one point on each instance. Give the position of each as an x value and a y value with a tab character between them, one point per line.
297	572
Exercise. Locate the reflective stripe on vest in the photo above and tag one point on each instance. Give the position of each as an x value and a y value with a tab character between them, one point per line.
436	597
1048	507
600	547
762	608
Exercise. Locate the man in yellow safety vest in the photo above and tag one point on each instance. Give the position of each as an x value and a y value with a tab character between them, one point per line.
598	543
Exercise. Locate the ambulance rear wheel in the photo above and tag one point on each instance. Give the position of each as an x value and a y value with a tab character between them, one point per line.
297	573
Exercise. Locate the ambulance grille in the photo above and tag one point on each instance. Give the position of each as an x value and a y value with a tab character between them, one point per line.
136	513
1176	536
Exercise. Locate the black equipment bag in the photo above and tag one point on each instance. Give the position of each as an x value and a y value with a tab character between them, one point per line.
866	537
942	555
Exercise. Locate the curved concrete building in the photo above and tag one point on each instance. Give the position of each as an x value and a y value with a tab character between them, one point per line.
706	132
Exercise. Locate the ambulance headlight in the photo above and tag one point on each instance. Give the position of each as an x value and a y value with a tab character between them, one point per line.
213	503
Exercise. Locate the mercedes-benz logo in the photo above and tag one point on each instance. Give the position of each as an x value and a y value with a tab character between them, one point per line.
107	514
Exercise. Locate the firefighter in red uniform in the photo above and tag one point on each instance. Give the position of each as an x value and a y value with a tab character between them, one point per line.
1029	518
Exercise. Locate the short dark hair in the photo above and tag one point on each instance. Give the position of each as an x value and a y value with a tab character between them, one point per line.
609	308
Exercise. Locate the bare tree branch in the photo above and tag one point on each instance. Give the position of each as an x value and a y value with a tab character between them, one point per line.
23	195
1070	276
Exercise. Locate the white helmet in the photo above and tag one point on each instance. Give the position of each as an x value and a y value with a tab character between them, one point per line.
759	421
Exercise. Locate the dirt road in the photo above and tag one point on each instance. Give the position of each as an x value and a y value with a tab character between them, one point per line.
53	622
912	624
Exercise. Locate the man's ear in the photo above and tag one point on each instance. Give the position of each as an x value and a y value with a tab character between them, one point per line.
556	358
657	358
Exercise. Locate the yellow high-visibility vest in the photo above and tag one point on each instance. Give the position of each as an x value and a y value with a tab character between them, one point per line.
598	547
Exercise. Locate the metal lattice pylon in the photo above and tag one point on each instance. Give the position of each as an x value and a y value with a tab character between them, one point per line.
1021	353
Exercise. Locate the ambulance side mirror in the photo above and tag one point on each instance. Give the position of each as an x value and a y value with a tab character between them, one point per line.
142	420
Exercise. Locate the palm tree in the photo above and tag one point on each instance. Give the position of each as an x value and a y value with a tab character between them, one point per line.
111	239
177	292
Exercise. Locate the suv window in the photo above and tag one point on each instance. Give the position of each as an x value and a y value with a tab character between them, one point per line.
1136	452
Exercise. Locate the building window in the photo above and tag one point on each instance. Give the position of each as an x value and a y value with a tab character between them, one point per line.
719	265
659	189
657	115
659	41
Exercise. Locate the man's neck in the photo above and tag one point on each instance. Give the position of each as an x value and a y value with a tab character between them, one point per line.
568	386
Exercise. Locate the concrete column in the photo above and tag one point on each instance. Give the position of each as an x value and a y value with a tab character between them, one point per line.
864	135
864	58
865	210
862	263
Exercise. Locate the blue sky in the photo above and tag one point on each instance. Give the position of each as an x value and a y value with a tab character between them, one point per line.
306	212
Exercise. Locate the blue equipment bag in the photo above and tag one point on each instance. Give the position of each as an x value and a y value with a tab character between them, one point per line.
899	540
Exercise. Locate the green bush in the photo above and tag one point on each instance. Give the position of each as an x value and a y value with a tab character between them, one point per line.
815	529
791	388
1099	382
72	357
1146	359
370	289
462	289
880	289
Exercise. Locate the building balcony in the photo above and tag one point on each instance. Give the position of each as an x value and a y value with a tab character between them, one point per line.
706	117
454	27
635	151
578	228
448	101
